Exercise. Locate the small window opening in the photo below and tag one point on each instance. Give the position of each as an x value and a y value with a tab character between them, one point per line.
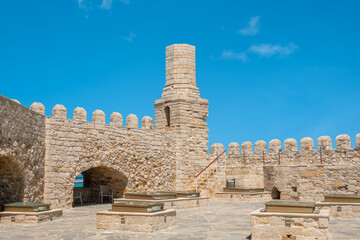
294	189
275	193
167	114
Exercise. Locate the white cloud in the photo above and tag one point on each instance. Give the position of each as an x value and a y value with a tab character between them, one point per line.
130	37
105	4
268	50
230	55
252	27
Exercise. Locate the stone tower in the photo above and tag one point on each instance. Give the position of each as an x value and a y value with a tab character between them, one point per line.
182	113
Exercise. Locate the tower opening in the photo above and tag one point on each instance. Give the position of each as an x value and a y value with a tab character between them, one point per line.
167	115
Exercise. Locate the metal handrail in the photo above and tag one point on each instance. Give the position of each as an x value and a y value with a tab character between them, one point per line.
210	164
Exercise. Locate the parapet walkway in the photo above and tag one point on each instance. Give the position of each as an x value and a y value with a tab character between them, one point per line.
220	220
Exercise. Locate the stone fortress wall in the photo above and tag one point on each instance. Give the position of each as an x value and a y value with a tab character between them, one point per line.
41	156
22	153
144	157
54	150
306	174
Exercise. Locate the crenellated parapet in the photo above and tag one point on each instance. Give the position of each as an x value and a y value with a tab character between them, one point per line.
116	119
290	153
324	143
260	147
132	121
80	114
275	146
290	145
59	111
307	144
147	123
343	141
38	107
234	148
216	148
98	116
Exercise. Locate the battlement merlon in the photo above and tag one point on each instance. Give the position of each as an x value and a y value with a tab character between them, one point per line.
180	72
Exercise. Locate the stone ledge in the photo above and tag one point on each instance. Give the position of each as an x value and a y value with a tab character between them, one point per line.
324	213
162	213
29	217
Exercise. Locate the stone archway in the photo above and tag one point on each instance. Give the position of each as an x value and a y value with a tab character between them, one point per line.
96	176
11	181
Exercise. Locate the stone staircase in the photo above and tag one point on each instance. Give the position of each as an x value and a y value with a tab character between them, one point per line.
210	181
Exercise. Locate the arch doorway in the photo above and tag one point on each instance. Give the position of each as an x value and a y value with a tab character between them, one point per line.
275	193
93	178
11	181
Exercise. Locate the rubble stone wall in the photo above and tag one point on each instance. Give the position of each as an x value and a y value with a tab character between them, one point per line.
144	158
22	153
311	183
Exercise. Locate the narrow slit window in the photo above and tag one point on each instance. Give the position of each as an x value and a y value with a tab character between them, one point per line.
167	115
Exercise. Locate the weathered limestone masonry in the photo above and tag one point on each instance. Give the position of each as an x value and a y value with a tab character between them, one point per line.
182	113
22	153
142	158
304	174
41	156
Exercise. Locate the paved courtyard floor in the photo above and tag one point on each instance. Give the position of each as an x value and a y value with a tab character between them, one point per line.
220	220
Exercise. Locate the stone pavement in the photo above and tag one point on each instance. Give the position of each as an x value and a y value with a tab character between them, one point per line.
220	220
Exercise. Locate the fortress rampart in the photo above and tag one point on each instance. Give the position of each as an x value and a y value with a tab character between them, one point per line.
306	174
22	152
259	154
40	156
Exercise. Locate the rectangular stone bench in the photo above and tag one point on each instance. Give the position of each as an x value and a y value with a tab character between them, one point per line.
275	225
176	203
29	217
135	221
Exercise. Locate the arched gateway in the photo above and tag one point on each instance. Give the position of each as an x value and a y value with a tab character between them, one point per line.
94	177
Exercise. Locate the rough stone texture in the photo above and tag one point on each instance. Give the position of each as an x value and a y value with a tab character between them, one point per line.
116	119
80	114
274	146
147	123
129	158
267	225
312	182
136	222
260	147
246	148
324	143
234	148
343	141
182	113
307	144
98	116
22	151
290	144
216	149
38	107
246	176
30	217
341	210
59	111
358	140
132	121
145	160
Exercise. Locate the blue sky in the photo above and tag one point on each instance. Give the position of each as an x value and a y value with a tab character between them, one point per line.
270	69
